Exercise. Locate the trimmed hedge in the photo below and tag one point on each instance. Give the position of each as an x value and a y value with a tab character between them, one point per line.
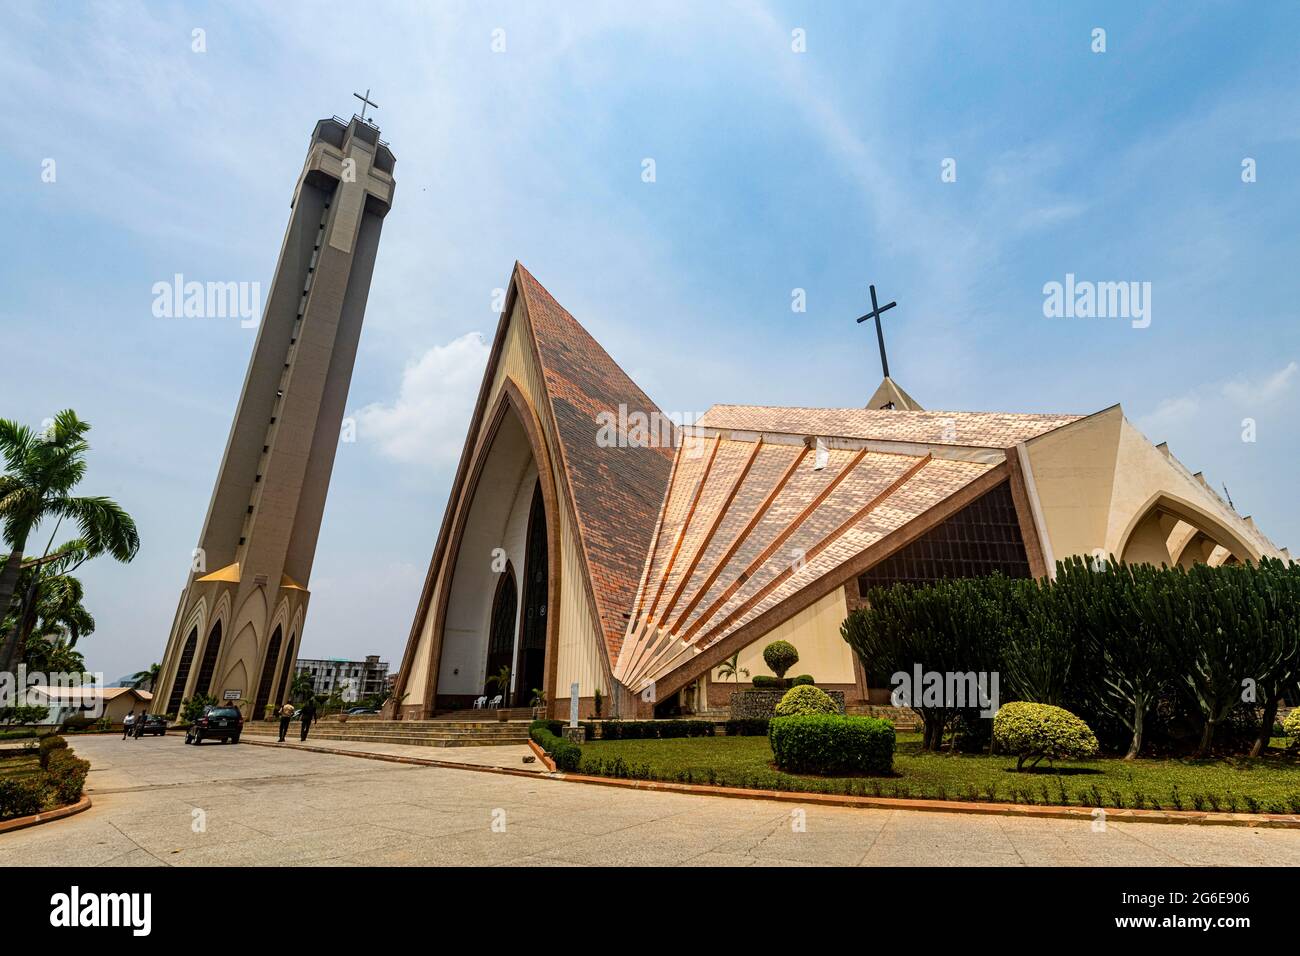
803	679
1041	730
747	727
66	775
764	682
21	797
832	744
805	700
566	755
48	746
651	729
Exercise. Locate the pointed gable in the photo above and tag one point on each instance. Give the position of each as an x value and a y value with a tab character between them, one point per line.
616	491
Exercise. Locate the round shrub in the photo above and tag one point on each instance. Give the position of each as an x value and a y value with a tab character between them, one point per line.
1034	731
832	744
1291	726
48	746
805	700
780	656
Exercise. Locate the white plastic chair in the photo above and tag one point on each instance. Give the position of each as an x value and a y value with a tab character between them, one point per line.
480	703
495	702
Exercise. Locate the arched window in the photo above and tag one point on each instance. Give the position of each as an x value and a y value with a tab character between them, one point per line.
268	675
182	673
210	652
501	630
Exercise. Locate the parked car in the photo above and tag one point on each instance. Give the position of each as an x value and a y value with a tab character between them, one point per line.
361	711
155	724
223	723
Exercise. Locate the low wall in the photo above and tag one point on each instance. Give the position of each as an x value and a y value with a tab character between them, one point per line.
750	704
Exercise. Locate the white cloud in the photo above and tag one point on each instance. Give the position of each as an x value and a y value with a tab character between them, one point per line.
1261	391
426	424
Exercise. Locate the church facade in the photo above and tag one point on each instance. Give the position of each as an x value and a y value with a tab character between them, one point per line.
589	542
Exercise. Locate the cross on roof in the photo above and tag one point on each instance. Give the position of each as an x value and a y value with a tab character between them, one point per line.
365	101
875	313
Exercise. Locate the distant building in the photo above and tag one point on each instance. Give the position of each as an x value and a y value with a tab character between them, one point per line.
111	702
366	678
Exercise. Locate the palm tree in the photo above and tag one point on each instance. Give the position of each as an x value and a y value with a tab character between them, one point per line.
147	676
502	681
301	687
731	668
41	471
51	610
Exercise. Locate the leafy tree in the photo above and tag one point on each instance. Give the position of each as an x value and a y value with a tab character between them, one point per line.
41	472
301	687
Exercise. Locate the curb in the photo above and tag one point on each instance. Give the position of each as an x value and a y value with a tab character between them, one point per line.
58	813
1079	814
393	758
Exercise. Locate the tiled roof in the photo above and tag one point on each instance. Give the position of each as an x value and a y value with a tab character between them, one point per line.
616	491
977	429
746	524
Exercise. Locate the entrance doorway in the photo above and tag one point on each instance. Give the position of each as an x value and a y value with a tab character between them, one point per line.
530	664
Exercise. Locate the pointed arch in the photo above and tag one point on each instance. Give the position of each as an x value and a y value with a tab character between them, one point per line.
211	650
501	628
182	672
268	675
510	400
1145	536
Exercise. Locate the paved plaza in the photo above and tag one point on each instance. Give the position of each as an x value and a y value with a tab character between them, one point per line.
159	802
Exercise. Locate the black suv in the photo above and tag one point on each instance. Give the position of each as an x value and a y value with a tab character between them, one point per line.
154	724
224	723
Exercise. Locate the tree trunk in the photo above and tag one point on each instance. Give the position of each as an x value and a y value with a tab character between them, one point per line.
9	581
1207	740
1265	727
1134	748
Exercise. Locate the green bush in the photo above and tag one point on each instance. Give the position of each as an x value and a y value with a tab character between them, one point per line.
1040	730
747	727
1291	726
48	746
832	744
780	656
764	682
20	797
192	707
66	775
652	729
804	699
803	679
566	755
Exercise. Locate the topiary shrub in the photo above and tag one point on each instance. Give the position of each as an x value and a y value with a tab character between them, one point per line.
803	679
832	744
1291	726
48	746
1034	731
764	682
780	656
805	700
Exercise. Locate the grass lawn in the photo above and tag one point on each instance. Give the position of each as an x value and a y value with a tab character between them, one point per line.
1268	784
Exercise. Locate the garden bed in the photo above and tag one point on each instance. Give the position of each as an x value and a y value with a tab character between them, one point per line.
37	781
1269	784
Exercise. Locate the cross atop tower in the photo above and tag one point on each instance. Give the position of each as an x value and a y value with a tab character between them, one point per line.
875	313
365	101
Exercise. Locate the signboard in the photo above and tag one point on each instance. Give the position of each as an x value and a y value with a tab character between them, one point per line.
232	695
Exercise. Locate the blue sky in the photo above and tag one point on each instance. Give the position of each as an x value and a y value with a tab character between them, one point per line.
775	170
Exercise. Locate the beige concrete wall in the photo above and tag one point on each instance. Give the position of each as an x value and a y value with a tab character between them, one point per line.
815	634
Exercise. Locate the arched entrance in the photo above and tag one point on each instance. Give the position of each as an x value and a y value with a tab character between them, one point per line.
182	672
210	652
501	631
283	692
268	675
531	664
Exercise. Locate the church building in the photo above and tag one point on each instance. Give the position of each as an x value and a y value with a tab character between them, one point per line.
587	541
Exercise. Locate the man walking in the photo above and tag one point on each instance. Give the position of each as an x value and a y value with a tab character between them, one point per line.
286	714
308	715
139	725
128	724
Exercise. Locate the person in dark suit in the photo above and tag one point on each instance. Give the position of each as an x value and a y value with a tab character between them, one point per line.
308	715
286	714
